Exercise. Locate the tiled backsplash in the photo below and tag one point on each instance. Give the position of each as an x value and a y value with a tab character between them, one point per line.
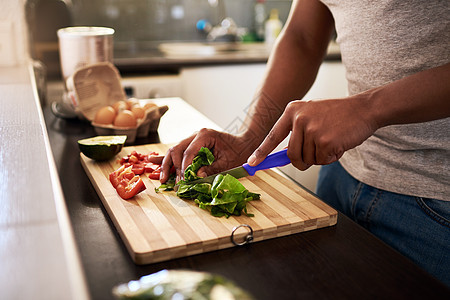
163	20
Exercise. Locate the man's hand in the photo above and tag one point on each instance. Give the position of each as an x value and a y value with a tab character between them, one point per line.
321	131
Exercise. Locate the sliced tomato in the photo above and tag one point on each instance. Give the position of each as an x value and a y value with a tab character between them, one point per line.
129	189
140	162
133	159
151	167
126	182
122	173
127	164
154	175
138	168
124	160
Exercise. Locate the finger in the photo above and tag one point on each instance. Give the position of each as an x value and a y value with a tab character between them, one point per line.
165	167
202	139
174	157
210	170
331	158
177	159
276	135
202	172
308	150
295	149
327	152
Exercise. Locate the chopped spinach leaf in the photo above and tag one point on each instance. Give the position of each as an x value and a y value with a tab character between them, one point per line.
226	196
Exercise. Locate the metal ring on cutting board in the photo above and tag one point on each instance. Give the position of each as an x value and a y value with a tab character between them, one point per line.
248	237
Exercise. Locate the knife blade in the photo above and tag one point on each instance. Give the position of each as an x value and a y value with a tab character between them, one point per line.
276	159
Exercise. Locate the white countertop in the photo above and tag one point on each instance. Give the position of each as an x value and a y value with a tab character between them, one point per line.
37	249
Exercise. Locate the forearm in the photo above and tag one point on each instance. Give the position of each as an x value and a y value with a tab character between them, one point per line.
292	67
287	78
421	97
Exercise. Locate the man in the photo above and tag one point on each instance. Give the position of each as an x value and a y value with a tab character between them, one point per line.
391	135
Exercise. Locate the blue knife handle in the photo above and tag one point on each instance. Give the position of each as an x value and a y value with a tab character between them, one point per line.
277	159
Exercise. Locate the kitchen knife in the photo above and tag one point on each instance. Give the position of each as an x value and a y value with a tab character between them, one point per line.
276	159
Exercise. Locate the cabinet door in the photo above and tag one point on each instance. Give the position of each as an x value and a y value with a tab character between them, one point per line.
222	93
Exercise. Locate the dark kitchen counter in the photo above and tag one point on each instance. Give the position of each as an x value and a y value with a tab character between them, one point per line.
339	262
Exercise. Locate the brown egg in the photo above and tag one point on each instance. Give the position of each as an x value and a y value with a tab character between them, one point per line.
105	115
120	106
132	102
139	112
125	119
149	105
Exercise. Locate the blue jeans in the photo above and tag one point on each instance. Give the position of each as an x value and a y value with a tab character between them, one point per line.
419	228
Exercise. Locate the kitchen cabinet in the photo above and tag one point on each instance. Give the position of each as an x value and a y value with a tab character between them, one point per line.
160	86
223	94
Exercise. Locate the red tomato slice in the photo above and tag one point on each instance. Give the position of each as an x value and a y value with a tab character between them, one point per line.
133	159
136	158
122	173
138	168
151	167
126	183
134	164
155	175
129	189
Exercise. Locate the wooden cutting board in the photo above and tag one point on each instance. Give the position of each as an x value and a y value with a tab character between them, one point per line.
160	226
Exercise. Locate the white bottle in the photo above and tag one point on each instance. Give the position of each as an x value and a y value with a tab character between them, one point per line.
272	27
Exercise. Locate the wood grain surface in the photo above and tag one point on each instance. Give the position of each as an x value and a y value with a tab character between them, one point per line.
160	226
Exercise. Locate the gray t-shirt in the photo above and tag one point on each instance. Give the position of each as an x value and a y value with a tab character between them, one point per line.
383	41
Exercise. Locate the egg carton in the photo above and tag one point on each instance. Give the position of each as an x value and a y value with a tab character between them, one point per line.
149	123
98	85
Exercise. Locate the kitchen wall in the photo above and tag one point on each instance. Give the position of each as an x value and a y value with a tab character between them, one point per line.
138	24
162	20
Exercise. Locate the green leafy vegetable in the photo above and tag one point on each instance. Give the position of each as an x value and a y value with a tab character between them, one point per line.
169	185
229	197
225	197
203	158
